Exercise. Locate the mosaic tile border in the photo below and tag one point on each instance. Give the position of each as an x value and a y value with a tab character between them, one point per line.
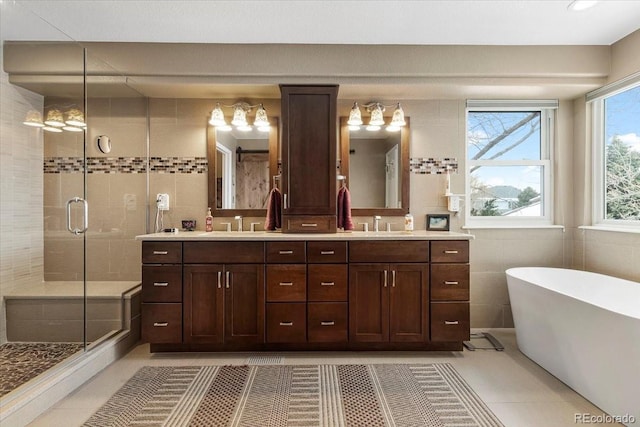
432	166
112	165
199	165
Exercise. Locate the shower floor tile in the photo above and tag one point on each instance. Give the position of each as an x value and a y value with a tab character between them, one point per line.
21	362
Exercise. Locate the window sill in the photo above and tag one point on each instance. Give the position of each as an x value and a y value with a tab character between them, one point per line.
512	226
611	228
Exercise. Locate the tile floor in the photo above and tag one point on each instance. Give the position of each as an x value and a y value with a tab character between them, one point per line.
517	390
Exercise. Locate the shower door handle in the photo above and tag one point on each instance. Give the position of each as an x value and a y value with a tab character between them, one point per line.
85	219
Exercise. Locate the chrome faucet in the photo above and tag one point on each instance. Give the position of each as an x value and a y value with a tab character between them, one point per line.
239	219
376	222
228	225
253	226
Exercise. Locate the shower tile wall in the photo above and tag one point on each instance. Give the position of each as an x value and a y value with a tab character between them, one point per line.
21	247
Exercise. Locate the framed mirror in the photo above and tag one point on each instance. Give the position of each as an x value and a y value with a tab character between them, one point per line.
242	170
376	167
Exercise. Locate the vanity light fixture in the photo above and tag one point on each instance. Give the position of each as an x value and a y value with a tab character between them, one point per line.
56	120
376	109
239	120
33	119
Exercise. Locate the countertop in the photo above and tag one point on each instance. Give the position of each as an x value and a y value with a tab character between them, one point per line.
277	235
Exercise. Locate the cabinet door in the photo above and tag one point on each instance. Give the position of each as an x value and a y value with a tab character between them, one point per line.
309	137
203	303
408	303
369	303
244	303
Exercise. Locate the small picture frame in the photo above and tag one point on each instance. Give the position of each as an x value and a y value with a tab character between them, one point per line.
437	222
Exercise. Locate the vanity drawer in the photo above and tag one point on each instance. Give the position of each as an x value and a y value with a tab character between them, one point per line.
450	251
450	321
161	252
162	323
286	252
389	251
326	252
450	282
161	283
224	252
327	322
286	322
308	224
327	282
287	282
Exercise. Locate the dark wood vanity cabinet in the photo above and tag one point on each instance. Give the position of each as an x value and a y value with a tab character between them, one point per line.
309	145
450	316
306	295
388	302
224	303
162	292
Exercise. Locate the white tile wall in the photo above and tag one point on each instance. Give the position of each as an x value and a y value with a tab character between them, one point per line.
21	192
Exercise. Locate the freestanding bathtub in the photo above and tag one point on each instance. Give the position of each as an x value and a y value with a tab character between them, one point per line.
584	328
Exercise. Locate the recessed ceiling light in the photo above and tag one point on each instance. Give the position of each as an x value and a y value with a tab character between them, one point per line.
581	4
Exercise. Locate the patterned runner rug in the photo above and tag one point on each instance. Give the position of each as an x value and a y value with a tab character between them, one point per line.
324	395
21	362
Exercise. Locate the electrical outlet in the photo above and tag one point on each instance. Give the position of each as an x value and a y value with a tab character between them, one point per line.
163	201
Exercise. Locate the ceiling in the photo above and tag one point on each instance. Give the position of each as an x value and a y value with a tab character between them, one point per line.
398	26
475	22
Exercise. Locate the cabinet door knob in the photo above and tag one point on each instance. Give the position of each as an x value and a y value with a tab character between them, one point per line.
286	323
327	323
327	252
286	283
450	282
451	322
450	252
160	284
160	324
160	252
327	283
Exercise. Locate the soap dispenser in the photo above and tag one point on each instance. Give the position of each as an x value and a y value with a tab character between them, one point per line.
208	221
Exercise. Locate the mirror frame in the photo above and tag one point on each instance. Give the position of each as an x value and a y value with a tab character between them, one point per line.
211	171
404	155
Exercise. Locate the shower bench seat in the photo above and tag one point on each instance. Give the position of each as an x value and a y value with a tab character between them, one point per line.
54	311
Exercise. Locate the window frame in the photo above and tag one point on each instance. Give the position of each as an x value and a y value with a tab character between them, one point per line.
597	100
547	143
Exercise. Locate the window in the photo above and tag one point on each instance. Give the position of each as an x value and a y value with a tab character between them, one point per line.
509	162
616	155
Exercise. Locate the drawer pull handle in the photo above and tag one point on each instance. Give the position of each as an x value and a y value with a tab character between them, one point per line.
160	284
286	323
328	323
160	252
327	283
327	252
309	225
451	322
286	252
450	252
450	282
160	324
286	283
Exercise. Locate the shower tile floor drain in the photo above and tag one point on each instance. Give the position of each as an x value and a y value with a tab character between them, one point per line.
265	360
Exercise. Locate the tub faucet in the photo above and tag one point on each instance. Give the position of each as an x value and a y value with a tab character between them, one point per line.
376	223
239	219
